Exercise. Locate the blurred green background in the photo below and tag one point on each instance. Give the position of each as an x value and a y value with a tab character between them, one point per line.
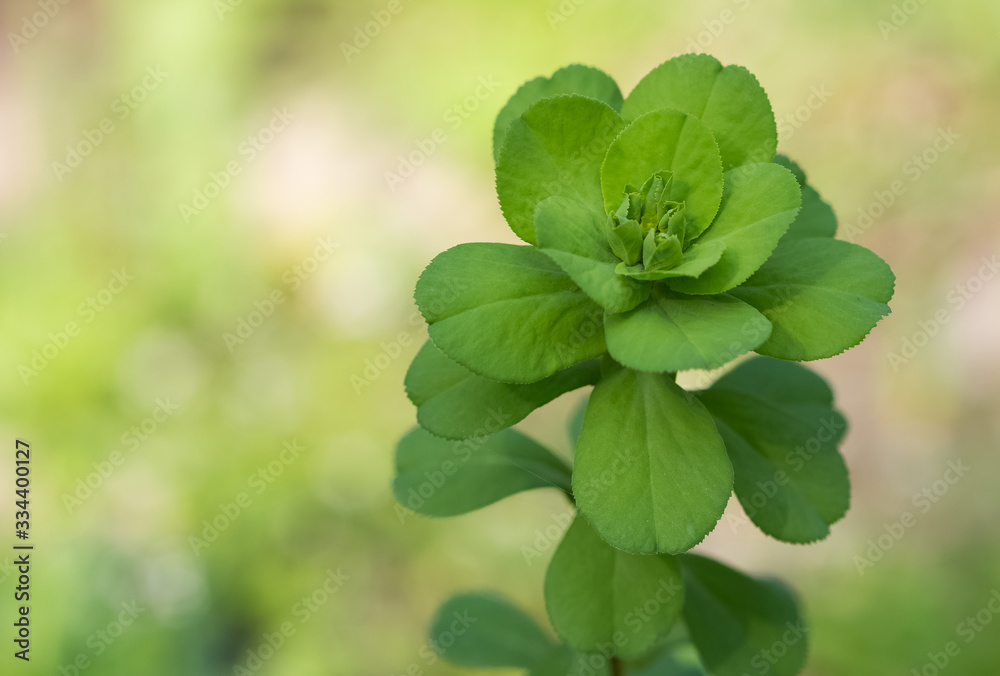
229	161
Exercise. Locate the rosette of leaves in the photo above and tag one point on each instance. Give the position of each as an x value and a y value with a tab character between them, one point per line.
662	233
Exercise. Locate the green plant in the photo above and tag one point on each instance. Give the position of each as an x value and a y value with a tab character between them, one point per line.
663	235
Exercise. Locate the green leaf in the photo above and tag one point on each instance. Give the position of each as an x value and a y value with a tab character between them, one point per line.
785	383
667	140
575	79
575	424
455	403
651	471
729	100
822	295
816	218
758	204
438	477
574	236
782	432
679	659
741	625
694	262
508	312
567	662
792	166
554	149
598	596
674	332
484	630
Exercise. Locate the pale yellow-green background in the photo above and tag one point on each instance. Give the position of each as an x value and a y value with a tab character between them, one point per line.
324	175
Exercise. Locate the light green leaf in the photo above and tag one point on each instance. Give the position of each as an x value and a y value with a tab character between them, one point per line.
508	312
758	204
816	217
651	471
695	261
574	236
782	432
741	625
673	332
822	295
672	141
729	100
455	403
575	79
484	630
438	477
554	149
598	596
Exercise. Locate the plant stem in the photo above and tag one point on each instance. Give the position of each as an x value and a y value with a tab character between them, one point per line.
617	668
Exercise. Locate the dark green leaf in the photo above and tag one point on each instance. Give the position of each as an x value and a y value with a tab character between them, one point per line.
598	596
508	312
455	403
741	625
484	630
575	424
816	218
574	236
782	432
758	204
567	662
674	332
667	140
792	166
439	477
575	79
651	471
554	149
676	659
822	295
729	100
